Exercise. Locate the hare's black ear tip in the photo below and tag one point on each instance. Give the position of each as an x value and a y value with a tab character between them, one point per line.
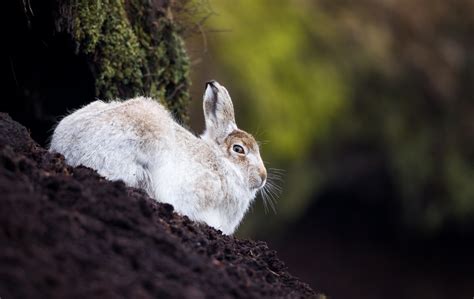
211	83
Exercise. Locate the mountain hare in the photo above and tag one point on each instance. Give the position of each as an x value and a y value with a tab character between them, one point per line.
212	178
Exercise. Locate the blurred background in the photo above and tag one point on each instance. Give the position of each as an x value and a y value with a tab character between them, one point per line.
366	110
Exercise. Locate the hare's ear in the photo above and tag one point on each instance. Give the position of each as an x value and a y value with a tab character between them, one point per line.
218	112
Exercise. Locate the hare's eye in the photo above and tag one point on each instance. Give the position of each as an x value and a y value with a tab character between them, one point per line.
238	149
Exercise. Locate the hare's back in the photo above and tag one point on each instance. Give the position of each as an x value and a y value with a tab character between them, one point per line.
141	117
112	124
112	138
144	116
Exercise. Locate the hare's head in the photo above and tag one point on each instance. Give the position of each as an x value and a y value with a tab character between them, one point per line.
238	146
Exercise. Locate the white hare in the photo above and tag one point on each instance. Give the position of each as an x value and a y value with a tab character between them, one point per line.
212	178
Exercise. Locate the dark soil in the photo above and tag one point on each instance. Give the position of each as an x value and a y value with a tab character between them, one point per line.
69	233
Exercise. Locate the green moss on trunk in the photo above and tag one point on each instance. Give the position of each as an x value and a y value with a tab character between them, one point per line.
134	48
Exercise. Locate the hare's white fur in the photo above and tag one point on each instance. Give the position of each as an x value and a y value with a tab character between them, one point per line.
137	141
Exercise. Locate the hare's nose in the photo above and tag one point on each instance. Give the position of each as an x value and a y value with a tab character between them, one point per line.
263	174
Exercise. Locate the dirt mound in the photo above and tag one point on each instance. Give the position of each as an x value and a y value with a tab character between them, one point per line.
68	233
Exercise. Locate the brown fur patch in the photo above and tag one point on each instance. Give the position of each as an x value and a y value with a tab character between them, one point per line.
243	137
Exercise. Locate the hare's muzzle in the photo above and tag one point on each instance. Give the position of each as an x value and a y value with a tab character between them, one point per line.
262	173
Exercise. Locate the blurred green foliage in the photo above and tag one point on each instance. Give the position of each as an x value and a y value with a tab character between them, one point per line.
314	75
296	92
